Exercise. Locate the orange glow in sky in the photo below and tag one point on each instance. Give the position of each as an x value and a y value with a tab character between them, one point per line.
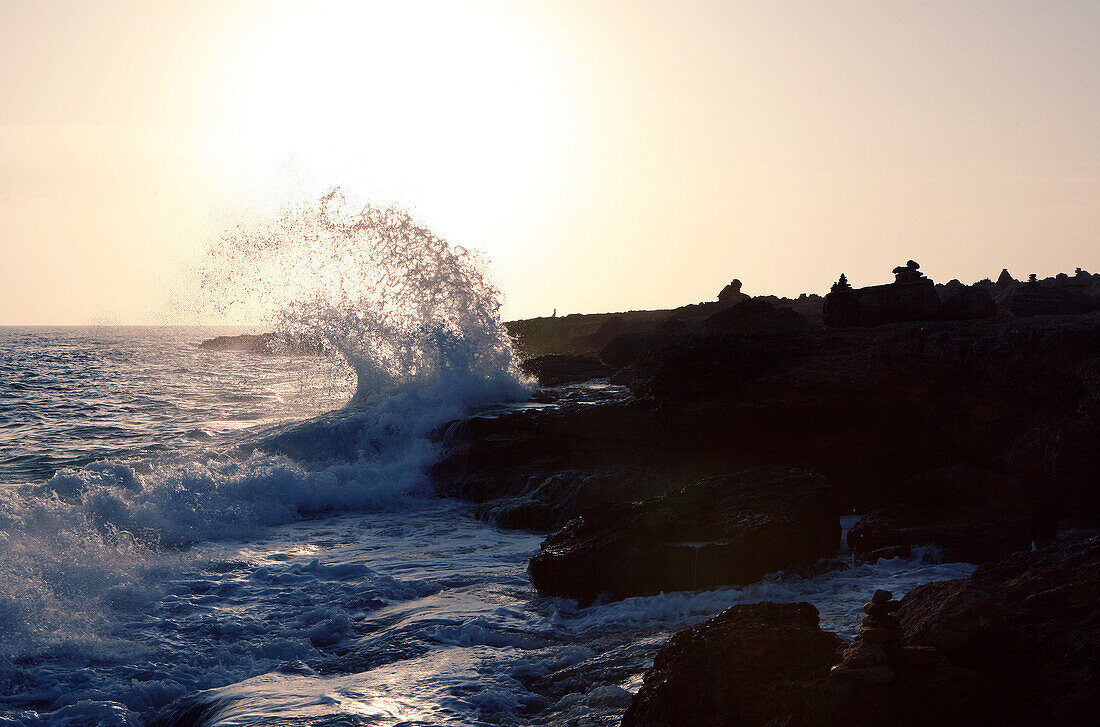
604	155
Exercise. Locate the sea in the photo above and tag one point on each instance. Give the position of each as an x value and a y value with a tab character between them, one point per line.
201	537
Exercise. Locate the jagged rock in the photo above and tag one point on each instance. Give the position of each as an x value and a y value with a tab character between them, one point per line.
881	596
770	664
880	608
1005	280
558	369
947	615
721	531
754	316
767	664
967	303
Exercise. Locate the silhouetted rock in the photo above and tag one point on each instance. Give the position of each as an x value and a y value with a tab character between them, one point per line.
868	408
265	343
754	316
914	300
732	292
625	349
908	273
965	303
1035	300
246	343
557	369
720	531
1004	280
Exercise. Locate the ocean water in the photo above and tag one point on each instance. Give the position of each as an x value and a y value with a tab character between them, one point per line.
190	537
154	548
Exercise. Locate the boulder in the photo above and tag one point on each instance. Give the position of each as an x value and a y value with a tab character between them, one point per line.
732	292
557	369
948	615
770	664
1017	644
721	531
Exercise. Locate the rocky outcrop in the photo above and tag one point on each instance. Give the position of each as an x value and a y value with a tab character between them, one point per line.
557	369
1041	300
971	515
246	342
769	664
868	408
1014	644
266	344
732	293
754	316
720	531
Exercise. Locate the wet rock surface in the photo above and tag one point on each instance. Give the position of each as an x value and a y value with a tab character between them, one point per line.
873	410
1013	644
558	369
721	531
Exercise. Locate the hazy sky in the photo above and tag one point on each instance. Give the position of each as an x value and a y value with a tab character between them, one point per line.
605	155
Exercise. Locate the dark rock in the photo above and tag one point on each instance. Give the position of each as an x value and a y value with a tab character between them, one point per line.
864	653
881	596
947	615
732	292
974	516
880	674
246	343
1005	280
881	608
766	664
920	655
754	316
879	304
879	634
874	556
1035	300
557	369
874	410
967	303
721	531
624	350
770	664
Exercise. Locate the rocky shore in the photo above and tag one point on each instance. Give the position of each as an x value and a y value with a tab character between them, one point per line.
713	444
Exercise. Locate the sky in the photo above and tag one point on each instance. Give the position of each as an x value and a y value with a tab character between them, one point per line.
601	154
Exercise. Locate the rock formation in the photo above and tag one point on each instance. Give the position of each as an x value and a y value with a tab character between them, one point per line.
557	369
1014	644
732	293
877	651
720	531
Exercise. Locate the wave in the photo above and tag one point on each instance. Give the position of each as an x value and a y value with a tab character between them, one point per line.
418	321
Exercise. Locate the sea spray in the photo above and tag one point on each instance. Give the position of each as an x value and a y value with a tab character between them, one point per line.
89	549
400	304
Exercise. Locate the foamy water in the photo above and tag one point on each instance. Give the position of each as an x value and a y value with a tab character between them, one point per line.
227	540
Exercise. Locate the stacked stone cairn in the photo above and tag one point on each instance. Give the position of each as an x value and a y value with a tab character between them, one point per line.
877	651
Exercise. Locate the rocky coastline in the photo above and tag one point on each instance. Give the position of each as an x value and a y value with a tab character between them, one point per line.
716	443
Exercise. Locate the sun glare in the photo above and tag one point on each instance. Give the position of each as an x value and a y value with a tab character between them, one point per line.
416	102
